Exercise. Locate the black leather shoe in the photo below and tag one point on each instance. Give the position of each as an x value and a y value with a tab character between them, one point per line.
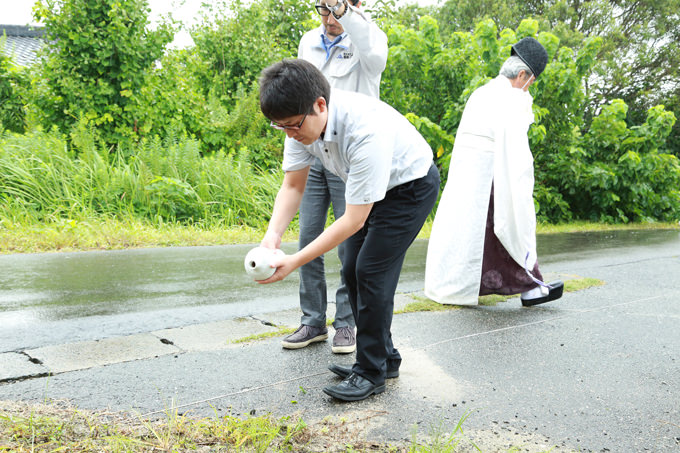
556	290
354	388
344	371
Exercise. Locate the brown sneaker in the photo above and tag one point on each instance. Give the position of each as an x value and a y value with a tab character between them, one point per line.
344	341
303	336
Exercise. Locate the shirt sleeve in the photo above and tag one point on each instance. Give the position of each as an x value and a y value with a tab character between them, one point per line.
296	156
369	40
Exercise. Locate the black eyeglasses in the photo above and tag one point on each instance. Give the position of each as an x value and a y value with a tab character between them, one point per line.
322	10
281	127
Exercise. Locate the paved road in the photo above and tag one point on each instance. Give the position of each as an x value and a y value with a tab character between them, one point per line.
598	370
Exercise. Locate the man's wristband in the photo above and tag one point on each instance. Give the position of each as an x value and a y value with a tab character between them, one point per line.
337	6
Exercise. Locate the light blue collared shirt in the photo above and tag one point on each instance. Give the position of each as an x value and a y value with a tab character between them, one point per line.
328	44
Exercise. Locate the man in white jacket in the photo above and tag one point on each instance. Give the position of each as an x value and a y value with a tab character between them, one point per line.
483	238
351	52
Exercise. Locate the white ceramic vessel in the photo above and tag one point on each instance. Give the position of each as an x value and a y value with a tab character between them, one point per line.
258	262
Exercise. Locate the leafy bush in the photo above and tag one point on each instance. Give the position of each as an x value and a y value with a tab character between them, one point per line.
235	42
622	174
12	115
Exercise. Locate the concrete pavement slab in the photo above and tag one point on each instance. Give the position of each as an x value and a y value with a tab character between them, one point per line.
15	366
197	337
287	318
88	354
291	318
213	335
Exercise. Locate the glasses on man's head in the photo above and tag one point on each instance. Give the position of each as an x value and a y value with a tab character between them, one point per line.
322	10
281	127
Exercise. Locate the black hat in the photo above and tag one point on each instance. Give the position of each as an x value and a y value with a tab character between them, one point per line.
532	53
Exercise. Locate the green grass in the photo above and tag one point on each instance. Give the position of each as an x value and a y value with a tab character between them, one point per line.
261	336
581	283
28	235
424	304
56	427
581	226
60	197
56	197
492	299
440	440
275	333
570	285
25	428
108	233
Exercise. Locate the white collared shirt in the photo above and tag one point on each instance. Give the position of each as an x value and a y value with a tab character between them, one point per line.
368	144
355	63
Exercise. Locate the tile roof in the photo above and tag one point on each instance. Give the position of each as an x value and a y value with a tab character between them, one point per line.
21	43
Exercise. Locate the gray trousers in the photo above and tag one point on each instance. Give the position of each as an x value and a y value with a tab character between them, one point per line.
323	188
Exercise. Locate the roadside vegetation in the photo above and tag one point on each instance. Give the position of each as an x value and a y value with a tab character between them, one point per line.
113	140
110	233
59	427
421	304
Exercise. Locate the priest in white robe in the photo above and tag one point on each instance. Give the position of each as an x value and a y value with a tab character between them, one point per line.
483	238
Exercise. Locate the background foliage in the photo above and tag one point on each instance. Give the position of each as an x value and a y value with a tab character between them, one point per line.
97	58
112	123
12	115
43	180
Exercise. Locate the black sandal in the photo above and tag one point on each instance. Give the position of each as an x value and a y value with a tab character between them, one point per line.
556	290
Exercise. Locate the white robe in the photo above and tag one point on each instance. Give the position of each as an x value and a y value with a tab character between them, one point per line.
491	147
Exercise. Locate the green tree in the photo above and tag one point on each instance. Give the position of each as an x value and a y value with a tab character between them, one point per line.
236	41
95	61
12	114
463	15
638	61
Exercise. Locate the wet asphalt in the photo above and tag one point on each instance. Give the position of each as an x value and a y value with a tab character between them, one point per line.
598	370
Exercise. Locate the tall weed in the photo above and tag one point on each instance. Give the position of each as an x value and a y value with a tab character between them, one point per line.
161	180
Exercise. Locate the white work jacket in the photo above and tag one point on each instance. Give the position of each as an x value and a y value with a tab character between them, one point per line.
356	63
491	147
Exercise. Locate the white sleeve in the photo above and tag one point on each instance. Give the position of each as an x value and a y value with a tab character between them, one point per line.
369	40
296	156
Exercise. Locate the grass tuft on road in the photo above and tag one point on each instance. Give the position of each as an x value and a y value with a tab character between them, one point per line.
425	304
261	336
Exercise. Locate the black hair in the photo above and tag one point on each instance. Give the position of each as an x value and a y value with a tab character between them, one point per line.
291	87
